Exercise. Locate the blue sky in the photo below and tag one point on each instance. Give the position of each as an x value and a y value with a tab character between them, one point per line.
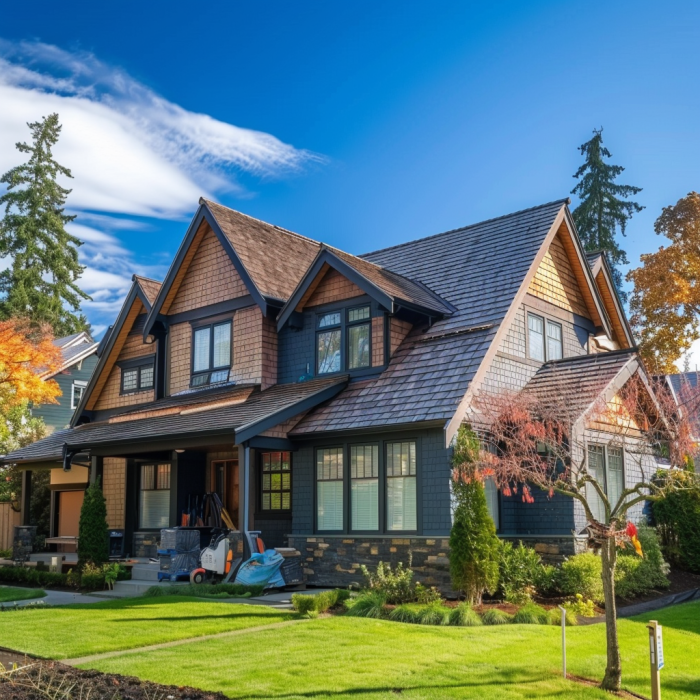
361	124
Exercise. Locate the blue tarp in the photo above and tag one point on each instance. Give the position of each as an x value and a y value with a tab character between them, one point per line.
262	569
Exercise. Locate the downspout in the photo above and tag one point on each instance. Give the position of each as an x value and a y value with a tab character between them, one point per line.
246	496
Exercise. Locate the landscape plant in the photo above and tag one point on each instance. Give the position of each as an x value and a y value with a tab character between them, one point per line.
539	439
396	585
370	604
474	546
520	572
494	616
464	616
93	537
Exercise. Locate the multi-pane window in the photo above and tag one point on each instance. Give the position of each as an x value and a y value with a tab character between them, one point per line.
364	487
137	377
211	354
358	337
276	488
329	343
606	466
401	498
544	339
343	340
329	489
154	496
77	392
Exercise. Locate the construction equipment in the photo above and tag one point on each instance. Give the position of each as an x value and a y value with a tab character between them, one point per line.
216	561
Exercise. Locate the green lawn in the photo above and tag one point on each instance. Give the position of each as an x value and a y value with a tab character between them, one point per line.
9	593
358	659
79	630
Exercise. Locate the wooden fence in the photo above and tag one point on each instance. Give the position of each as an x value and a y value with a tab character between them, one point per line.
8	519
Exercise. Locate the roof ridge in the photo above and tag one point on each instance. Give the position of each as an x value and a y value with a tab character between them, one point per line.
261	221
567	200
143	277
580	358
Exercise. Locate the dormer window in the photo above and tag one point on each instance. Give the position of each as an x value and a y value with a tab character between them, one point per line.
137	375
343	340
211	354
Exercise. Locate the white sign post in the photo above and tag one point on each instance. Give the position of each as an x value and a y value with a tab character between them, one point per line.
656	657
563	640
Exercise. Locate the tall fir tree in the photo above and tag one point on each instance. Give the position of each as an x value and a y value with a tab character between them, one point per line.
41	282
603	209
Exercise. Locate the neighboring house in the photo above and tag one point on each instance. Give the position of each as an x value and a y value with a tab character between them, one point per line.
79	358
319	392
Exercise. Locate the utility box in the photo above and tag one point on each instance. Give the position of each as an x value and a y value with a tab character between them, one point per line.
116	544
22	542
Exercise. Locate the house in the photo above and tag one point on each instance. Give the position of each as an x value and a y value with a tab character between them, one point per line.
318	392
78	360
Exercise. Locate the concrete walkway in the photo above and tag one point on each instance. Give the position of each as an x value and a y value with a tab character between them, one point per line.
178	642
56	598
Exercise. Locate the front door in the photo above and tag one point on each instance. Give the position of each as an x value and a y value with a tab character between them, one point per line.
224	482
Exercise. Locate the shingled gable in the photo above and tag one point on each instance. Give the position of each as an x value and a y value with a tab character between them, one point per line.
143	291
384	286
269	260
602	274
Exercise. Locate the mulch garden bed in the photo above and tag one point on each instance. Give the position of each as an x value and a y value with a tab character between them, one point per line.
39	680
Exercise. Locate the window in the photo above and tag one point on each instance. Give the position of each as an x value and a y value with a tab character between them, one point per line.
211	354
364	487
276	490
77	392
328	344
154	496
606	466
137	376
358	337
343	340
329	489
544	346
401	511
491	492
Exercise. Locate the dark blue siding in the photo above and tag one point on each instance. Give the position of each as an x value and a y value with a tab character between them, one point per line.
546	516
58	416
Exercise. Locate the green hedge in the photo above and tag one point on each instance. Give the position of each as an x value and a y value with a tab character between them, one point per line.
31	576
678	518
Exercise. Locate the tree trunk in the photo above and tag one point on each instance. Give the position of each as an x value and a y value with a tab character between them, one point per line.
613	670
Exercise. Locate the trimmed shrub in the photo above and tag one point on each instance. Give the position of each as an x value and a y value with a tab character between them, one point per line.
464	616
531	614
370	604
520	570
319	603
635	575
494	616
404	613
303	604
582	574
206	590
433	614
32	577
395	585
581	606
93	535
678	519
474	546
547	579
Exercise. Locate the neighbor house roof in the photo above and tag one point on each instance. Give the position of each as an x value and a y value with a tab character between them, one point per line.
479	270
235	422
74	348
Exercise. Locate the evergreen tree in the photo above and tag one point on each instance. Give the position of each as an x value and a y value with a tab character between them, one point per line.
474	546
93	537
602	209
41	283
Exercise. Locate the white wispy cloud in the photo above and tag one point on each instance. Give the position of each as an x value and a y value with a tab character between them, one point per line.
131	152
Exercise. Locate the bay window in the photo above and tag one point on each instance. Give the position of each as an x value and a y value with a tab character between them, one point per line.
211	354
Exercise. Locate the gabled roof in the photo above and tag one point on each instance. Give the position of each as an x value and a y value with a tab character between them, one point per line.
149	287
479	270
581	381
74	348
388	288
599	265
234	423
139	296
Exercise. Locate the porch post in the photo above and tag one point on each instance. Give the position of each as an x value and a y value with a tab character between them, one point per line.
26	496
246	491
97	469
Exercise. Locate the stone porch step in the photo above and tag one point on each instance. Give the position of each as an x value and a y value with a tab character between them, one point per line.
145	572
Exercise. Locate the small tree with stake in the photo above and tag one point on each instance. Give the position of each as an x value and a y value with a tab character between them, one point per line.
474	546
540	439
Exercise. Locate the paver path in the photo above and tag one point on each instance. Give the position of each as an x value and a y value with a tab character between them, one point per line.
164	645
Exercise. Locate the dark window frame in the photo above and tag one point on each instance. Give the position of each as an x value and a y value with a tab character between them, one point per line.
138	364
382	444
139	489
271	512
546	320
343	326
205	374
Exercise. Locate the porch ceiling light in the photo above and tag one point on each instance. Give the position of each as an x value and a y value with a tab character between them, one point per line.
179	451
